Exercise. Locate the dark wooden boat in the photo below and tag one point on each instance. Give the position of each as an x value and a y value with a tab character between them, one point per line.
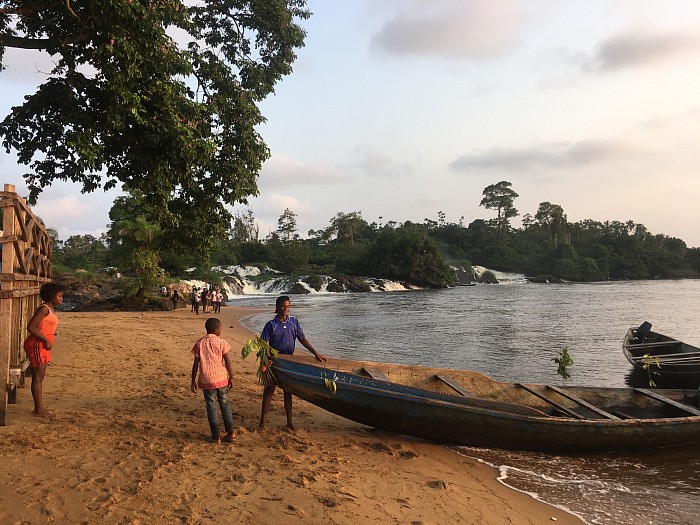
468	408
667	357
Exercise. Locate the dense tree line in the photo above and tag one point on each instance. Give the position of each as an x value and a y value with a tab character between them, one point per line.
424	254
548	244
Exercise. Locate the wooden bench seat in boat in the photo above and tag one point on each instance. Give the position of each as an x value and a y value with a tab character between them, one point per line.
691	410
454	385
375	373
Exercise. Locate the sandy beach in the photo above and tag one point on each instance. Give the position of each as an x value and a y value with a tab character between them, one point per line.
127	446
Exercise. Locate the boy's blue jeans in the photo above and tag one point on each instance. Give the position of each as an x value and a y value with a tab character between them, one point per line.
211	397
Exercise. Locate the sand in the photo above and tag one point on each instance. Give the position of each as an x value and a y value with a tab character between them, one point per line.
128	446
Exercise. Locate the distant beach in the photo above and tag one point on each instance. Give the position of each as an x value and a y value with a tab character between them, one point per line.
127	446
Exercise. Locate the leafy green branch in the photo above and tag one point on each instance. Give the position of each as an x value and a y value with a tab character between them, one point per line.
263	354
565	362
648	360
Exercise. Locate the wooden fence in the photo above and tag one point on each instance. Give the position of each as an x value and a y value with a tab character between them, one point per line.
26	265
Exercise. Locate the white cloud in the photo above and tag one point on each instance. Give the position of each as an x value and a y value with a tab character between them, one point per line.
429	200
376	164
283	202
476	29
281	171
543	156
72	215
641	47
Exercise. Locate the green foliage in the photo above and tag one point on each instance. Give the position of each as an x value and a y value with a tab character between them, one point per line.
83	252
244	229
649	361
263	354
251	252
552	218
352	259
204	273
564	362
349	227
288	258
415	253
287	227
488	277
408	253
330	382
146	268
125	105
500	197
315	281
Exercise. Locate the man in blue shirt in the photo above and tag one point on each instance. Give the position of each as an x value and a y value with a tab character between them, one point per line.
281	333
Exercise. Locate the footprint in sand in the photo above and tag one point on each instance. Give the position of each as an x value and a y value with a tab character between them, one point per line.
295	511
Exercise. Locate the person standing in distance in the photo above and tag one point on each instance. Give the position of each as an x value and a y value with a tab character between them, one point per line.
281	333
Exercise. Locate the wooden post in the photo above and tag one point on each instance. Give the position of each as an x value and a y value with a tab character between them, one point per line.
7	262
25	265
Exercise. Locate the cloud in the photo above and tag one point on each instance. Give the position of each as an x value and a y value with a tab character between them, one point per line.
639	48
280	171
542	156
476	29
429	200
283	202
376	164
72	215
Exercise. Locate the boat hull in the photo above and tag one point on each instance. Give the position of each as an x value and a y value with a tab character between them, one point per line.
676	359
474	422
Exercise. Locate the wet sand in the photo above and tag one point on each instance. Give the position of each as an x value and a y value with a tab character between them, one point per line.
127	445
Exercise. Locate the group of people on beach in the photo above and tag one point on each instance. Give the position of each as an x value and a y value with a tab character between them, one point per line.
208	297
211	370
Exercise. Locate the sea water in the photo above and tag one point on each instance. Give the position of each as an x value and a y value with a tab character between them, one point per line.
513	332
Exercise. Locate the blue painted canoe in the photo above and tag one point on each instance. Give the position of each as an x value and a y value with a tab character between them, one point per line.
468	408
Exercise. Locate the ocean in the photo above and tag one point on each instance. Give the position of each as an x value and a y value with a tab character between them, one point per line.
512	332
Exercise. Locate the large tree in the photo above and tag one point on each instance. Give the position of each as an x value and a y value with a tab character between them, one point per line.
158	95
553	219
500	197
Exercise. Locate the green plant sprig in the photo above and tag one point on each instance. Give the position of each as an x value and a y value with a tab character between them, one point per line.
648	361
564	361
330	382
263	354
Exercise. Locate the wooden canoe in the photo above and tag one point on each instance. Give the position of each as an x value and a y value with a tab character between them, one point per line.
668	357
468	408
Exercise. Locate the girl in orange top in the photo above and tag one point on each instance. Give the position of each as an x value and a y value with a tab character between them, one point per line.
42	329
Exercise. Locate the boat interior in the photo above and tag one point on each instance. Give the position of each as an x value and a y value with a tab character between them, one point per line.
476	389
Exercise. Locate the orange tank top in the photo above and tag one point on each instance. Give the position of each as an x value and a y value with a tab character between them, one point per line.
48	325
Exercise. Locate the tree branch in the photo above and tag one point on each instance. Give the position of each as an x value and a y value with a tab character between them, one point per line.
70	10
41	43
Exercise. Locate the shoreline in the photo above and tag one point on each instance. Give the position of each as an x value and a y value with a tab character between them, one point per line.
127	445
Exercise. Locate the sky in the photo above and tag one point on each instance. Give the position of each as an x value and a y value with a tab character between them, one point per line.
399	109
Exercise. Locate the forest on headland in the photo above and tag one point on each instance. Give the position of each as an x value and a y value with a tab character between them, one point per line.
547	247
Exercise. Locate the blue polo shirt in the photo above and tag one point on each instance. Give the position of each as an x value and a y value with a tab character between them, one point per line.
282	335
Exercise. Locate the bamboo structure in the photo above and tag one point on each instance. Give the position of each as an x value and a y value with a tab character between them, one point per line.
26	265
